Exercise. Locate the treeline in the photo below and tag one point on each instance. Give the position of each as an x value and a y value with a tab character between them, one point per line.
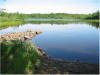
49	16
17	16
93	16
57	16
42	16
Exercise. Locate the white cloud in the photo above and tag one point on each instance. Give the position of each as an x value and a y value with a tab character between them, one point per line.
48	6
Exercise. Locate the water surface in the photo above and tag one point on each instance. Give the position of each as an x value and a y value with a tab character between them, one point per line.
52	19
65	41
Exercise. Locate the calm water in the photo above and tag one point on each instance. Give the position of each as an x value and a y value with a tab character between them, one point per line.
65	41
52	19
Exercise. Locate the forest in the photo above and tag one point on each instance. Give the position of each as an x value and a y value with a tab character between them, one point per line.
17	16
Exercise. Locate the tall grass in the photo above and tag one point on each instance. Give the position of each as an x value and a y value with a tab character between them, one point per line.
6	22
17	57
10	23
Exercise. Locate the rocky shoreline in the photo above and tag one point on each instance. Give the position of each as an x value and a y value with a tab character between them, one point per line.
55	66
19	35
49	65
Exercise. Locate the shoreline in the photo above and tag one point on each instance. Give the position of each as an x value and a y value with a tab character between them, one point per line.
76	61
50	65
56	66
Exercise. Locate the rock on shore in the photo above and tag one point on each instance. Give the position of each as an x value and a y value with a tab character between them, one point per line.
19	35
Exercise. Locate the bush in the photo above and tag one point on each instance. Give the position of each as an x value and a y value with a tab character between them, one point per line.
17	57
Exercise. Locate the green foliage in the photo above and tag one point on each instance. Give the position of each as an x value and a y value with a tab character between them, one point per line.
93	16
19	16
10	23
42	16
15	19
18	57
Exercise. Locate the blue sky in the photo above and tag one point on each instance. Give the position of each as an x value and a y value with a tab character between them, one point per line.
48	6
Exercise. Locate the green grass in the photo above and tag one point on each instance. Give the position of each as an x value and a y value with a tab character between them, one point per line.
9	21
91	20
18	57
5	24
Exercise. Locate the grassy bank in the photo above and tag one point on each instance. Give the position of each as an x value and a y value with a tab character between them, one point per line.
10	23
18	57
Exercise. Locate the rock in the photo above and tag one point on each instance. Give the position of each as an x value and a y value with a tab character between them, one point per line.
4	39
28	30
44	54
26	38
19	35
38	32
40	50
